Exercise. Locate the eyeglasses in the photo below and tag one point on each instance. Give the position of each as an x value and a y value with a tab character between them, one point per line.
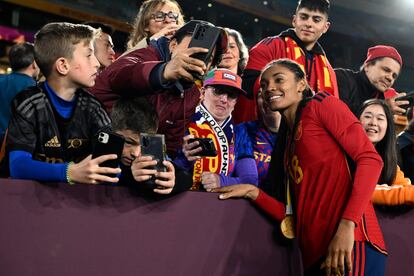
159	16
219	91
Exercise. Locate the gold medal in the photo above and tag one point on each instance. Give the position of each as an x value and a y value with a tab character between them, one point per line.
287	228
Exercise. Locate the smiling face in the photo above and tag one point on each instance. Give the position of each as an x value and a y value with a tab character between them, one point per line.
219	101
83	66
382	73
310	26
374	122
231	58
282	91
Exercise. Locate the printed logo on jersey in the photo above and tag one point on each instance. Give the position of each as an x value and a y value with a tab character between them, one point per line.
53	143
262	157
75	143
295	171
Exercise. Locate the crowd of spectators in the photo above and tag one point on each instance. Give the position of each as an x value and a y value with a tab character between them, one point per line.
311	145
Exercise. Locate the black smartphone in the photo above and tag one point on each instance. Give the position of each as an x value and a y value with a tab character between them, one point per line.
106	142
154	145
204	36
207	146
409	97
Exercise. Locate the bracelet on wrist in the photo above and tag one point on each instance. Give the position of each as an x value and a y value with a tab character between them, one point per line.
68	179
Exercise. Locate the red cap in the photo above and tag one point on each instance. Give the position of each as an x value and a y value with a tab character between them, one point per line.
224	77
383	51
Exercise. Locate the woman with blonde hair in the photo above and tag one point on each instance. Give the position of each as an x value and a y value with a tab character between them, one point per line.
155	18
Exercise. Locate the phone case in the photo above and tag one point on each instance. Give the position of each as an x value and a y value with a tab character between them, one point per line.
204	36
409	97
154	145
207	145
106	142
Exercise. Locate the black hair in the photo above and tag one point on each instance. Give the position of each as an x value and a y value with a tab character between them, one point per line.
277	176
105	28
21	56
387	147
135	114
315	5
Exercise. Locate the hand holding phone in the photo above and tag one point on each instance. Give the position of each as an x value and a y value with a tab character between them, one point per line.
408	98
204	36
207	146
89	171
154	145
106	142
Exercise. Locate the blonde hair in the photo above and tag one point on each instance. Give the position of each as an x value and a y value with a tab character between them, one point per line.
143	17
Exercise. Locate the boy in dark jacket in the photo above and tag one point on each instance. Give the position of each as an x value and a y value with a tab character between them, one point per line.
52	124
130	118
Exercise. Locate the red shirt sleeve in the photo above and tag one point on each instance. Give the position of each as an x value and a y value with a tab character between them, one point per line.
270	205
348	132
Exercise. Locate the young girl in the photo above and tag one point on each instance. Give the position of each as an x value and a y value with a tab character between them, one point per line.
328	171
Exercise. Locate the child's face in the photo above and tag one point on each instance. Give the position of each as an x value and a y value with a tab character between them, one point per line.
310	25
83	66
132	146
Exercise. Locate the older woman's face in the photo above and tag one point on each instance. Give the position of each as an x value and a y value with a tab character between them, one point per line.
155	25
230	59
374	122
219	101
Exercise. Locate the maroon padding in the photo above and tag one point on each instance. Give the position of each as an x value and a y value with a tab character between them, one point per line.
97	230
398	230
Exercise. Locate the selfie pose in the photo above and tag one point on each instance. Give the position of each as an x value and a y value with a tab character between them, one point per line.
324	170
213	120
163	73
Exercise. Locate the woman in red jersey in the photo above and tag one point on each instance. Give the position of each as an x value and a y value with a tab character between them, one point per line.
327	169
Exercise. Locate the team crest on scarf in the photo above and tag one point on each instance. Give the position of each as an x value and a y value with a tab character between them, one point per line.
203	125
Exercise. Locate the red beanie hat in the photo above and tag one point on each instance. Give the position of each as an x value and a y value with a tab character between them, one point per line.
383	51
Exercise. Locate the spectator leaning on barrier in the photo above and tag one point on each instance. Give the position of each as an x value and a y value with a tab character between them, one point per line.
393	188
261	138
324	201
24	73
52	124
104	47
300	44
212	119
130	118
378	73
162	72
